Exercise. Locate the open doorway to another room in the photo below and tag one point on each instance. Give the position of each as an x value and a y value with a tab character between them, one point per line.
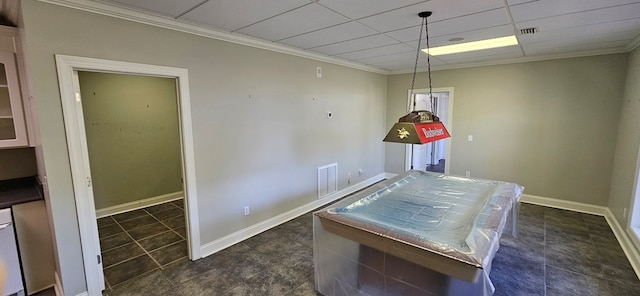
133	141
132	164
431	156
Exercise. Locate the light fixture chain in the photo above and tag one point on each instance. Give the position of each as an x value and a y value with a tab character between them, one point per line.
415	65
433	105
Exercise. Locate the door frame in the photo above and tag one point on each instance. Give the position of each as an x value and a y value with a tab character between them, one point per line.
67	67
408	147
633	218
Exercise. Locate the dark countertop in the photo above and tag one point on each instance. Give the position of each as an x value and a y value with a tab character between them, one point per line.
20	190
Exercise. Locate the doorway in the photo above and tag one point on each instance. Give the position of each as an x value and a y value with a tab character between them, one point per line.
133	141
76	131
431	156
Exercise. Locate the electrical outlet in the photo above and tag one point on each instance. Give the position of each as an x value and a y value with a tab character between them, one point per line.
246	210
467	173
624	213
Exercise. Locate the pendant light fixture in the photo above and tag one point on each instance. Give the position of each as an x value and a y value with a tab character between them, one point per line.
421	126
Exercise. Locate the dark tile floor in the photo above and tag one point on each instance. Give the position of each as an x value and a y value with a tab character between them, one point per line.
561	252
142	241
557	252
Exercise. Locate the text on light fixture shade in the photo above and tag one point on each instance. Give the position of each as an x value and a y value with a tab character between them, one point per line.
410	129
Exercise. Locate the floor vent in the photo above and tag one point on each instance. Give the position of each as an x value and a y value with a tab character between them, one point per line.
327	179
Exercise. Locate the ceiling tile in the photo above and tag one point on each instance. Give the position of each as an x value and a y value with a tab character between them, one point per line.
400	62
442	9
231	15
628	27
470	24
604	15
343	32
167	7
302	20
585	42
377	51
514	2
356	9
486	59
355	44
547	8
571	49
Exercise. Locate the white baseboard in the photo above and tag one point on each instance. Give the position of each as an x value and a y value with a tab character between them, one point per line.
57	285
389	175
564	204
240	235
622	237
625	241
138	204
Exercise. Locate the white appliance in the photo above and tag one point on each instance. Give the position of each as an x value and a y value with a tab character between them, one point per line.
9	256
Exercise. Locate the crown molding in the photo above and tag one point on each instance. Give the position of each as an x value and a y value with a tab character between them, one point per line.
185	27
181	26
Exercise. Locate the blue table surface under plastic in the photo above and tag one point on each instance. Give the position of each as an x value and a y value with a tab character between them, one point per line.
448	211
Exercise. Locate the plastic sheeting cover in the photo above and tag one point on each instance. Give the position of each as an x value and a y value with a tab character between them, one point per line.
455	216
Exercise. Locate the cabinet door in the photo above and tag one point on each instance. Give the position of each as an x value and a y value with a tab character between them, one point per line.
12	125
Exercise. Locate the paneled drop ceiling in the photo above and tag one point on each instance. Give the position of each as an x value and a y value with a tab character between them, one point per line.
384	34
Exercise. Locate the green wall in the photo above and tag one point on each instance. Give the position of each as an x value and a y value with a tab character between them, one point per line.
548	125
133	136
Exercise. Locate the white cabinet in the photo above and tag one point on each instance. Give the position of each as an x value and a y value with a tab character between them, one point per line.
13	130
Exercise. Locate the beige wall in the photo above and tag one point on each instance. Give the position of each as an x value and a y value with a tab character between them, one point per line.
627	144
133	136
548	125
258	118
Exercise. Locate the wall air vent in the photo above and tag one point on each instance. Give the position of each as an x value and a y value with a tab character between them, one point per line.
528	31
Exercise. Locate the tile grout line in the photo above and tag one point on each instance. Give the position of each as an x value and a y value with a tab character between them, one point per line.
145	253
159	266
171	228
148	253
604	277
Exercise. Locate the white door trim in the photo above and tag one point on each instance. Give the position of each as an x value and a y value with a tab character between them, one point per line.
448	125
633	220
67	67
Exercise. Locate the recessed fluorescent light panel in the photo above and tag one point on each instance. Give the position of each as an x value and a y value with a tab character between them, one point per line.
471	46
